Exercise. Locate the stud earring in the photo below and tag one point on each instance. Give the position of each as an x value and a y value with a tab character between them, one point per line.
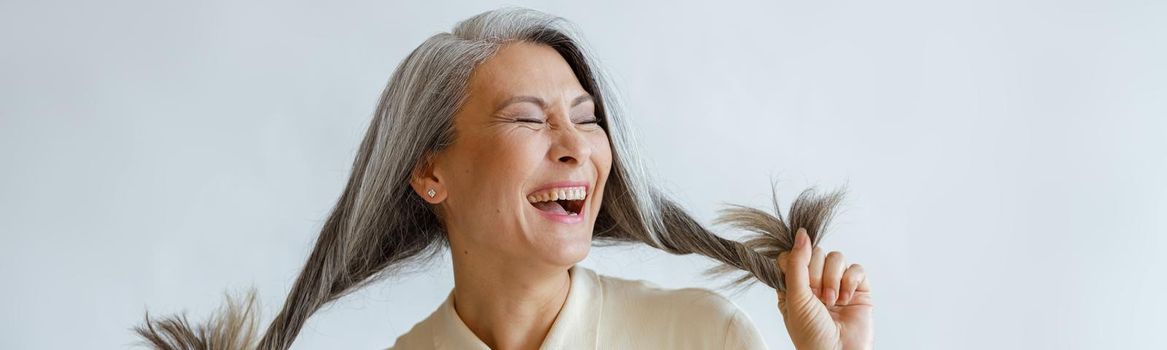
431	193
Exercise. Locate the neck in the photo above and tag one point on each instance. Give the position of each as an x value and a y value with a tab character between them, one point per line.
508	306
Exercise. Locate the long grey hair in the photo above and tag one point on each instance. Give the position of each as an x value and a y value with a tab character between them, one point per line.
379	225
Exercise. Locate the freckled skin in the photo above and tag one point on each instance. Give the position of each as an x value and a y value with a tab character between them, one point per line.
499	160
512	276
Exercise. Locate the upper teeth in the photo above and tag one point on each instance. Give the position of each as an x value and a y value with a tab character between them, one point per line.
562	193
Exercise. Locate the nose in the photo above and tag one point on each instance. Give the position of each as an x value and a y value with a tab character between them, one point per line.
569	145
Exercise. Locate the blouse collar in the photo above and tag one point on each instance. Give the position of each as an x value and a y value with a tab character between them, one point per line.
574	327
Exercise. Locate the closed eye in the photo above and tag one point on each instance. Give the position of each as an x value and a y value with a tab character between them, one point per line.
586	119
540	121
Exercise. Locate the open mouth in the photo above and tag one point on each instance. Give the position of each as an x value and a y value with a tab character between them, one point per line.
560	201
561	207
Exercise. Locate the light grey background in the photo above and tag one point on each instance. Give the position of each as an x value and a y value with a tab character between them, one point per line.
1005	159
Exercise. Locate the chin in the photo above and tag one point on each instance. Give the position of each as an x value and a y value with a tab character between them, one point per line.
568	251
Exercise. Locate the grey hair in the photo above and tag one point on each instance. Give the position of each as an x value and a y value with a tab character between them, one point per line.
379	226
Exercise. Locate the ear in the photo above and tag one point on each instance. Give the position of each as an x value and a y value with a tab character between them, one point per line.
425	181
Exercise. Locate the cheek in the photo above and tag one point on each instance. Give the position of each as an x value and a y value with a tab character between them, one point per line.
514	158
602	158
503	167
488	175
602	155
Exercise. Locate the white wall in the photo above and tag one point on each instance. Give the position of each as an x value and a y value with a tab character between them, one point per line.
1005	159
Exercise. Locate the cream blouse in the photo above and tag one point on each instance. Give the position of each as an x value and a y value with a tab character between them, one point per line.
603	312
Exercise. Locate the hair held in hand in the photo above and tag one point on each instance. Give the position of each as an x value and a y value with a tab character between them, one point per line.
379	227
773	234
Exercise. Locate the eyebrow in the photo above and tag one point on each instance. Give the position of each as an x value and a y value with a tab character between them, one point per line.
540	102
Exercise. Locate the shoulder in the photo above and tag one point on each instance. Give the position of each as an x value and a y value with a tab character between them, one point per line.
701	315
420	336
640	294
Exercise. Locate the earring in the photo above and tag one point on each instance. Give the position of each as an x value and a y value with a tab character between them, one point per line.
431	193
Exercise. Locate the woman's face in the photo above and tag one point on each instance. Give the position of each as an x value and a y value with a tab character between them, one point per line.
527	134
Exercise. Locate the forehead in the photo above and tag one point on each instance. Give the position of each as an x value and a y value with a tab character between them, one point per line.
522	68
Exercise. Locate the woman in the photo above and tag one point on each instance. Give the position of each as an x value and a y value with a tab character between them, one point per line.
502	142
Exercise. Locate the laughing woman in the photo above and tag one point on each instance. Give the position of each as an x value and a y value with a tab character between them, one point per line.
502	142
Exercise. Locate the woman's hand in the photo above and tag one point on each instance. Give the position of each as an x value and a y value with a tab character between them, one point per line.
827	304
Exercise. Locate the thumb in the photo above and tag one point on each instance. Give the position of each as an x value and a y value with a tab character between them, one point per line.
797	268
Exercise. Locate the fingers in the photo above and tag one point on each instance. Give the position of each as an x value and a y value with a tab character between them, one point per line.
864	285
781	262
809	272
794	265
833	268
817	257
853	277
